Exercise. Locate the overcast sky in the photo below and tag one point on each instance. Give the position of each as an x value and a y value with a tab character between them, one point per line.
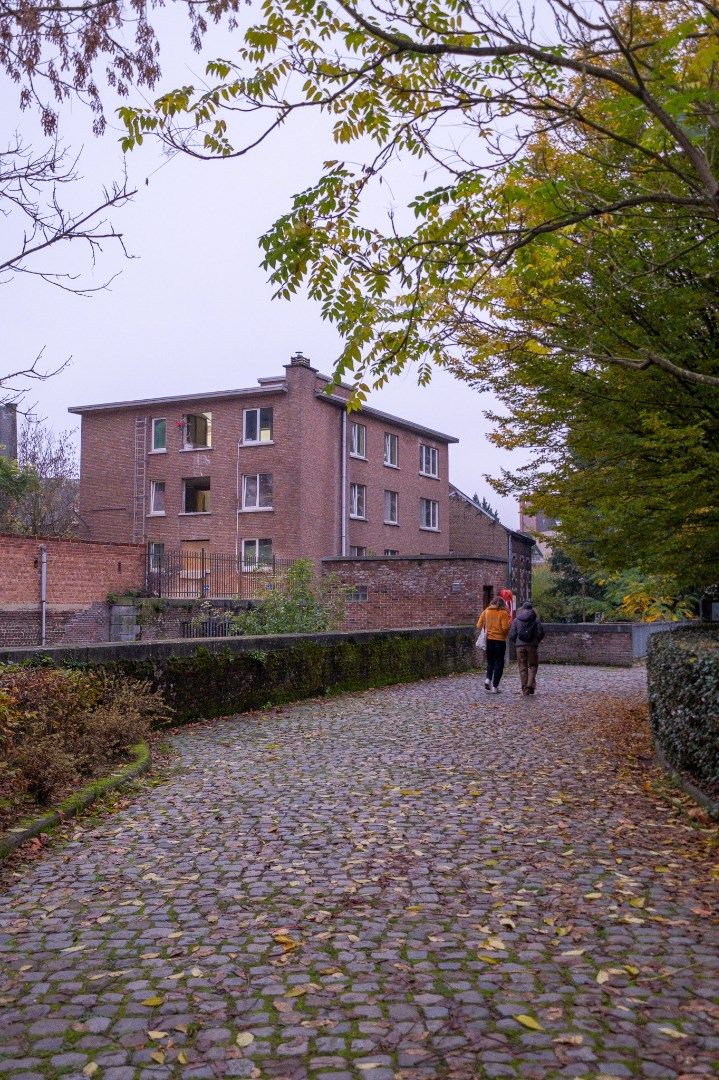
192	311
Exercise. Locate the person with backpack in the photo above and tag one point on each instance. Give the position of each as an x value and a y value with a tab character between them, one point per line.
494	622
527	632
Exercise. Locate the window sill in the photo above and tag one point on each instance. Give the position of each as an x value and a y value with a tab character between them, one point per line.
163	451
357	517
157	513
395	523
429	475
428	528
193	449
389	465
194	513
358	457
256	510
257	442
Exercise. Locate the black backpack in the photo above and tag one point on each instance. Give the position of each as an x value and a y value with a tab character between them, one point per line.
526	631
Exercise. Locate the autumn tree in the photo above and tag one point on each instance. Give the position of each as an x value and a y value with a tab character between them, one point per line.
48	506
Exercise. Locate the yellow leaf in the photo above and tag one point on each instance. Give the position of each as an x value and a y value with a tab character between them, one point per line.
182	1058
573	952
673	1033
488	959
637	901
569	1040
288	942
631	970
91	1068
602	976
245	1038
157	1034
529	1022
592	896
495	943
195	972
158	1056
297	991
410	791
152	1001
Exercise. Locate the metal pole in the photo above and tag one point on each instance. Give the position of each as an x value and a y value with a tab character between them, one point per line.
43	594
344	483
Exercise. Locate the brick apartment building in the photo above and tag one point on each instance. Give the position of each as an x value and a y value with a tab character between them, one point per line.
473	531
279	469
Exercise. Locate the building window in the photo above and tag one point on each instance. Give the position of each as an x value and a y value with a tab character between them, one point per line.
256	553
196	495
358	594
358	440
391	508
198	431
157	497
428	460
391	551
159	436
258	426
358	552
391	450
257	491
155	555
428	514
358	495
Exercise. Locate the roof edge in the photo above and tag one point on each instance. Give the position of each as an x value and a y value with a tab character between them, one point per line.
410	425
211	395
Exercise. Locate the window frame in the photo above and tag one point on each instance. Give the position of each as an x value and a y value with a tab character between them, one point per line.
258	410
357	551
390	552
152	555
433	455
423	503
387	519
153	448
358	594
257	563
356	428
208	489
388	437
187	446
355	489
256	508
154	485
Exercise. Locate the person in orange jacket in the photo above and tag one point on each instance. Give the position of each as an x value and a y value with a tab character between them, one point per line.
495	620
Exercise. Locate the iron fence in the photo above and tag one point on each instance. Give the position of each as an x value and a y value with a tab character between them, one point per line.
201	574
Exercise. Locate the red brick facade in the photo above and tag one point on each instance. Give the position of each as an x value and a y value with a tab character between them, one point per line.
401	592
472	531
304	458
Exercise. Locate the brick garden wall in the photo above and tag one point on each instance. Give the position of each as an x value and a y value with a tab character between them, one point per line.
432	591
80	574
588	643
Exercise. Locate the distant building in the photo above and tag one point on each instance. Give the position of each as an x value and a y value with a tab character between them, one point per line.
278	469
542	528
8	431
474	531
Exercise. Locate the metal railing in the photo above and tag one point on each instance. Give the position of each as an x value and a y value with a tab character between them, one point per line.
202	574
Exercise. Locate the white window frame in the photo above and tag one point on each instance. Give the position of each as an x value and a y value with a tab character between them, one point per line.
186	446
154	484
255	508
390	439
255	564
355	499
189	479
357	551
358	441
424	504
154	563
158	449
388	519
260	441
391	551
426	451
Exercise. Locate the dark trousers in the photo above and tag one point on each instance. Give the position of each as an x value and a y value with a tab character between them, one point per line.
495	660
527	662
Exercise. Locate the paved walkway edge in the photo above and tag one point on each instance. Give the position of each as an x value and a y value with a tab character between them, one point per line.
76	802
711	807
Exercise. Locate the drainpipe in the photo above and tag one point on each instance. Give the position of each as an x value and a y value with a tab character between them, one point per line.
509	563
237	507
344	482
43	594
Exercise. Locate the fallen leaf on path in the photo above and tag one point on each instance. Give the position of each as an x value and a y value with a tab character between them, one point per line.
152	1001
529	1022
245	1038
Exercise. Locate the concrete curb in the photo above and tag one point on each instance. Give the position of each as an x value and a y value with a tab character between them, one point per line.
711	807
13	838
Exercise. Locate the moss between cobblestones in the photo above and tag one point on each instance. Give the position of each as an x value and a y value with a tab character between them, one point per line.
76	802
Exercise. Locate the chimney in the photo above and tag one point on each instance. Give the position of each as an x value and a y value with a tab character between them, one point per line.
299	359
8	431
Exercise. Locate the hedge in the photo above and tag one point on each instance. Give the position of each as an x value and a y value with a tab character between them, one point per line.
683	676
236	675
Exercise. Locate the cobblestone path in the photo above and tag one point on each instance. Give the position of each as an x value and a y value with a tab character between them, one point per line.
417	882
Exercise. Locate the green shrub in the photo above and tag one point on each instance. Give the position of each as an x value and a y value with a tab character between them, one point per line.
59	726
299	602
683	675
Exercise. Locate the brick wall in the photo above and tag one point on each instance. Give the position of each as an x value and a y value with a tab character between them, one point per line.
401	592
588	643
80	575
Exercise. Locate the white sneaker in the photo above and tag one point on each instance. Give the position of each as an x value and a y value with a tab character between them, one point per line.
496	690
487	684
